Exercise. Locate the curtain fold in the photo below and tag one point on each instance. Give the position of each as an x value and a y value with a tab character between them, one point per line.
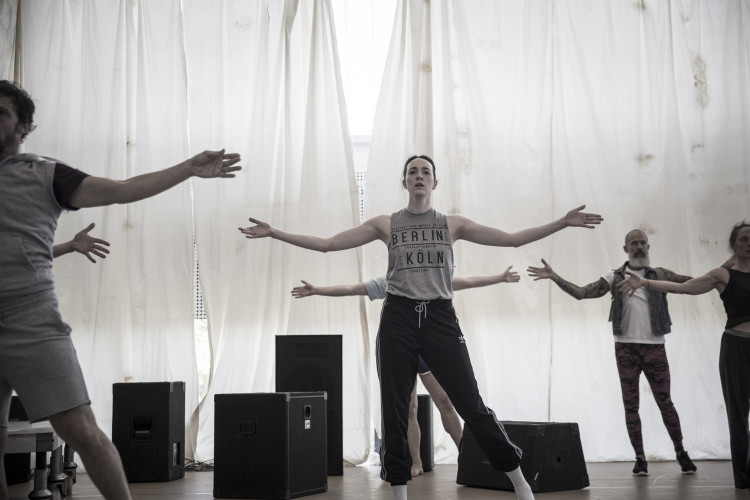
280	104
8	16
109	105
112	81
394	138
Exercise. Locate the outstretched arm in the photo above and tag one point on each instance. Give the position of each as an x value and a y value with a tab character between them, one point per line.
593	290
99	191
479	281
330	291
714	279
673	276
465	229
373	229
83	244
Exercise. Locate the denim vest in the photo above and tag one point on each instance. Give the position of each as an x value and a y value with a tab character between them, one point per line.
657	304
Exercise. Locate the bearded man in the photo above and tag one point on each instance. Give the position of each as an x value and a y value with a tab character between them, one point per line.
639	324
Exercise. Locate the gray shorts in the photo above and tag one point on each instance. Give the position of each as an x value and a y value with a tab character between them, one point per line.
37	358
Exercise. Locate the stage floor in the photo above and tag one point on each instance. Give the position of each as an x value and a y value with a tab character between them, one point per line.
609	481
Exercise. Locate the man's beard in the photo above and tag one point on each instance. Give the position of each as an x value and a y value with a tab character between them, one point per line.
639	261
6	141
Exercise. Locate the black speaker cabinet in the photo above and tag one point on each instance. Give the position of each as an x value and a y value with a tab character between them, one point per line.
17	412
424	419
313	363
17	467
552	458
148	429
270	445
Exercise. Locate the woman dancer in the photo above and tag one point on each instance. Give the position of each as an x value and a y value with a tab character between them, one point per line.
733	285
376	289
418	315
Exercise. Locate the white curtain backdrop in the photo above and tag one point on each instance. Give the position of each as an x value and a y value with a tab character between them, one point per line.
530	108
264	79
638	109
8	15
108	79
120	87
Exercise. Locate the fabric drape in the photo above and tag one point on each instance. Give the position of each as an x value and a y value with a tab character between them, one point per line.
533	108
8	16
122	90
279	102
109	82
529	108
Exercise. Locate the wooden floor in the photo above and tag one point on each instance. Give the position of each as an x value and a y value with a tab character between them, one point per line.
609	481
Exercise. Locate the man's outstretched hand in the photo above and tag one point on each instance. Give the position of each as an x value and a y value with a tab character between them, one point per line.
214	164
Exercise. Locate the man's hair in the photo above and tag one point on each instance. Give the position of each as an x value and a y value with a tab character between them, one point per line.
628	236
735	232
22	103
423	157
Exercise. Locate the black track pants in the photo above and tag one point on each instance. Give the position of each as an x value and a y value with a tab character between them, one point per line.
430	328
734	369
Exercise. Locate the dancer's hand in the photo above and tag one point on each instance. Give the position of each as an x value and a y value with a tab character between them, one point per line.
214	164
576	218
632	283
541	273
306	290
86	245
509	276
259	230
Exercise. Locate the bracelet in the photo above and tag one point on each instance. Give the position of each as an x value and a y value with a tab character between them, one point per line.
647	285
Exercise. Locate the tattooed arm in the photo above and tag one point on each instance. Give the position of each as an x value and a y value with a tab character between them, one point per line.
593	290
673	276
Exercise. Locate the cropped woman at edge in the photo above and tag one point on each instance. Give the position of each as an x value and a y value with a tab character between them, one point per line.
733	284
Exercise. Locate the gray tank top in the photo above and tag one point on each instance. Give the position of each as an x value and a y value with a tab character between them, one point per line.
420	256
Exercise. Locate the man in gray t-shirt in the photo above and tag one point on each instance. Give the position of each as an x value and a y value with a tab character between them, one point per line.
33	193
376	289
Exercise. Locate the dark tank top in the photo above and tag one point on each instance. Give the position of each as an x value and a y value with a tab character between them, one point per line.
736	298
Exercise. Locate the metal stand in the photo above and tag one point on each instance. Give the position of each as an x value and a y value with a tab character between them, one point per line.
70	467
41	472
53	482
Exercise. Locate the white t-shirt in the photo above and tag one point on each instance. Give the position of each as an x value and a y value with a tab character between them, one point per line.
376	288
636	321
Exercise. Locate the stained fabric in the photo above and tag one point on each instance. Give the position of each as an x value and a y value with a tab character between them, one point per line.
640	110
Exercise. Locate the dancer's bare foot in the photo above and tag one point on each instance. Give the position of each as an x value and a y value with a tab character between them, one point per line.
416	470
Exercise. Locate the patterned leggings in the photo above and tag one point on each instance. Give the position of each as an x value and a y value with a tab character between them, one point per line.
651	359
